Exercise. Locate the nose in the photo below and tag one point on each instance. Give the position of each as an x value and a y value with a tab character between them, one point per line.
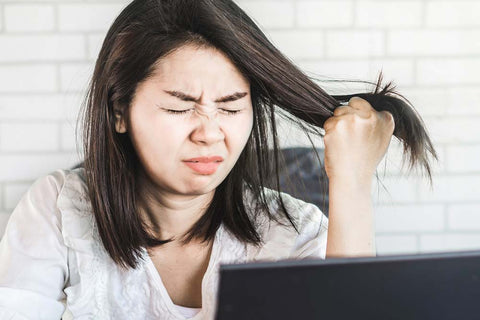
207	130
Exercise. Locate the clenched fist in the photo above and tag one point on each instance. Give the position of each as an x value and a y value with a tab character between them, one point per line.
356	139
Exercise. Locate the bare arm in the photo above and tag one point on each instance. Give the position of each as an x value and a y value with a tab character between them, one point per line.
356	139
351	229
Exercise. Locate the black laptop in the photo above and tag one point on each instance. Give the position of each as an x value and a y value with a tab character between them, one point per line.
427	286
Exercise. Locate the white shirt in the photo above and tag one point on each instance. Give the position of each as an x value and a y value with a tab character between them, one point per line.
188	312
52	259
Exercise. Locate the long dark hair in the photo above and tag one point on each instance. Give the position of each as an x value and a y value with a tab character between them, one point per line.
147	30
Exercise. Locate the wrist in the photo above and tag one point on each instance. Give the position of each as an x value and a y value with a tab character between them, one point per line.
354	183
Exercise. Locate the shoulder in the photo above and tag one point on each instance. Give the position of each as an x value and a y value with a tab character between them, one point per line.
62	189
74	191
61	198
281	241
56	184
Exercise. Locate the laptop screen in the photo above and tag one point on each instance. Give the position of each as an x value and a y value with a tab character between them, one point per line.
426	286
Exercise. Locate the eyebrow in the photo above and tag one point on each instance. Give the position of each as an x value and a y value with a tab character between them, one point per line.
186	97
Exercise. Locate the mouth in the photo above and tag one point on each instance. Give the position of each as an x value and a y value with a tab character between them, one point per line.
205	159
202	161
204	168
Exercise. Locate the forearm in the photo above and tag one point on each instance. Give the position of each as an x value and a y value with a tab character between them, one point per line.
351	230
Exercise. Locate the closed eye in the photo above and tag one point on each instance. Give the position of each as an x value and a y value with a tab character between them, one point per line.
230	112
180	112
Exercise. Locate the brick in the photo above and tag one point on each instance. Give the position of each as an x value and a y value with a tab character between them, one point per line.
14	192
87	17
451	189
433	42
354	44
15	137
400	71
452	13
396	163
449	242
347	88
32	166
463	158
464	217
94	45
429	101
337	69
451	71
28	78
324	13
388	13
387	244
463	100
3	222
75	77
454	130
398	190
27	48
270	14
40	107
391	163
299	44
69	141
409	218
27	17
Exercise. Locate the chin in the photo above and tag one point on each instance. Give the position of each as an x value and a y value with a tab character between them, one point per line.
199	187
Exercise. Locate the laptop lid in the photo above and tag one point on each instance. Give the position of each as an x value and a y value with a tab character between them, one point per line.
426	286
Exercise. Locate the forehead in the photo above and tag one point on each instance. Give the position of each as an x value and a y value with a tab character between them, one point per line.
193	68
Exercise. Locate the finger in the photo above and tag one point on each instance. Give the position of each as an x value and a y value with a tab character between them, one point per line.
329	124
388	116
360	104
389	119
341	110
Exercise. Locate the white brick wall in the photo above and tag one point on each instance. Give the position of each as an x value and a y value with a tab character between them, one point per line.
28	17
325	14
430	49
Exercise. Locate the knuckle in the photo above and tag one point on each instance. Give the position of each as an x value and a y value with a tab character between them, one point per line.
350	117
355	119
355	100
389	119
329	120
360	102
372	116
339	110
328	123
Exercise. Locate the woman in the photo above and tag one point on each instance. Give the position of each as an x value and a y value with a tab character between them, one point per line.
178	123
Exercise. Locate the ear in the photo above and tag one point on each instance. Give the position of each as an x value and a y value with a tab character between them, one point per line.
120	126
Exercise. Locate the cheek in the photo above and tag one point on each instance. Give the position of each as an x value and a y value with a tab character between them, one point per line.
238	132
154	138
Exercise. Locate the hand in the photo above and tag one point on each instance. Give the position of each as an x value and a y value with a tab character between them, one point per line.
356	139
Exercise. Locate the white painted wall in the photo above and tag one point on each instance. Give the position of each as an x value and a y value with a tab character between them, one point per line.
430	48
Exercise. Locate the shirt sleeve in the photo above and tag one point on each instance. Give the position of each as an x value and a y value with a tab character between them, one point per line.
33	257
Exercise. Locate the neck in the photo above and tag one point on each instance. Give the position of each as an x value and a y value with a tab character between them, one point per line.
170	215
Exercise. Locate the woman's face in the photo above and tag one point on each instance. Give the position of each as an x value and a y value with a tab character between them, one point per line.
192	81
